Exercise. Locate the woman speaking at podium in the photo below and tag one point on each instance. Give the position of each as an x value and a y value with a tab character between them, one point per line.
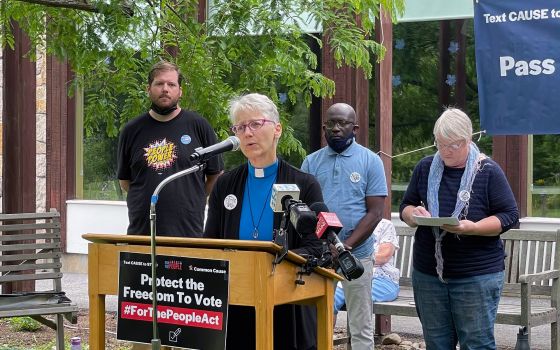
239	208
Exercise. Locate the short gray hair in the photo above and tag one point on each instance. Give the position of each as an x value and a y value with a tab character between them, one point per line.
256	103
453	124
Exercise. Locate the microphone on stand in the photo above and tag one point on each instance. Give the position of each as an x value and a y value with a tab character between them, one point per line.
201	155
281	196
229	144
285	198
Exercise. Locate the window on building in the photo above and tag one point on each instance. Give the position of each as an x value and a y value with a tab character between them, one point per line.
545	189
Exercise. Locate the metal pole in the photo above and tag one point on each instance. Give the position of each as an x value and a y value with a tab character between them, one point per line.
156	342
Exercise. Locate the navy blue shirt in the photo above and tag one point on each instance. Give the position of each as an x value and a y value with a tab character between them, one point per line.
463	255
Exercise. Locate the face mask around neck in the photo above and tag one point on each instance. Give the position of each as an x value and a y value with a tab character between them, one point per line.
340	144
163	111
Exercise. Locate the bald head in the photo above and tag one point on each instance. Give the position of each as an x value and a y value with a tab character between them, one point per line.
342	110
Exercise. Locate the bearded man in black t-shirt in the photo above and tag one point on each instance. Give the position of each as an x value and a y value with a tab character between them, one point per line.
158	144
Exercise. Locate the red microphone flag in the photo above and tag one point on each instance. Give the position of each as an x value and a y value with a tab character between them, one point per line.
325	221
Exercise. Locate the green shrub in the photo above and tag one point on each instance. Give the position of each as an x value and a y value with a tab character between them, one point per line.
24	324
9	347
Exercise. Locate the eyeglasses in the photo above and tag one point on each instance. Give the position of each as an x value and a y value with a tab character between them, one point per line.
252	125
330	124
452	146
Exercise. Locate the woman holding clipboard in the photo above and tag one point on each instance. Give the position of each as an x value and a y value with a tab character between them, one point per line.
458	267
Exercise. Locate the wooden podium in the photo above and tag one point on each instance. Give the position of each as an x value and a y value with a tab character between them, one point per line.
253	282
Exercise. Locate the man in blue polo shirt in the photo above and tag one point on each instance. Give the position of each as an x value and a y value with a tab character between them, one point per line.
353	183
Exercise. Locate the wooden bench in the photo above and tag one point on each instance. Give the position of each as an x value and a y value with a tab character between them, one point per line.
30	250
531	287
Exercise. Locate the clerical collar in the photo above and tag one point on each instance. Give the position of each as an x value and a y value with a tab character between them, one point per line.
268	171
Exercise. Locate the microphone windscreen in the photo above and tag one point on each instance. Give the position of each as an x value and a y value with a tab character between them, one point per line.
235	142
306	221
279	192
319	207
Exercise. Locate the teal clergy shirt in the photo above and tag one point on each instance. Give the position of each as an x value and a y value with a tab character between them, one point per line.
256	214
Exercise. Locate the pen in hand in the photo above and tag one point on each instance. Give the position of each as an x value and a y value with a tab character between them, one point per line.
421	210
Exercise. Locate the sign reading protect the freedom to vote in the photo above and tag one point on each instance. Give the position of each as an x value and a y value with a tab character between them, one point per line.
517	45
192	297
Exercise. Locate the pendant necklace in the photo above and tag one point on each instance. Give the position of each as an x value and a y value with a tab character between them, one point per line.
256	227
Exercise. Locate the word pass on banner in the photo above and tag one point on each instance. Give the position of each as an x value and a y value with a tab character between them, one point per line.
518	65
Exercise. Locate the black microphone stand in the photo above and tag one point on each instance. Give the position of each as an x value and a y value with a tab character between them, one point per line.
281	238
156	342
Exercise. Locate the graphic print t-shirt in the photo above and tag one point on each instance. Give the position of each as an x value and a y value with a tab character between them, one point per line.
150	151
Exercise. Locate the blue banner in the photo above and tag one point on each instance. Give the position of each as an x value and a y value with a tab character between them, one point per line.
517	45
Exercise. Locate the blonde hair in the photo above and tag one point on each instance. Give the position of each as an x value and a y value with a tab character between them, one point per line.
453	124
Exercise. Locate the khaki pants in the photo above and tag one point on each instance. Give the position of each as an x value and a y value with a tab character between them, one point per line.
359	307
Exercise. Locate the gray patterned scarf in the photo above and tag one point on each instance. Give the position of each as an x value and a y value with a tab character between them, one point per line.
463	196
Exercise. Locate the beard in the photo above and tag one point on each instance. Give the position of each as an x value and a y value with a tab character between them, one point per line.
340	144
166	109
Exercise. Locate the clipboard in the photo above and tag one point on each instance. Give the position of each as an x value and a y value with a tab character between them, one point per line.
435	221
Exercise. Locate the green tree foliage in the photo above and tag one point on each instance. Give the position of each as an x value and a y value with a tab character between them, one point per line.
244	46
247	45
416	107
546	173
546	168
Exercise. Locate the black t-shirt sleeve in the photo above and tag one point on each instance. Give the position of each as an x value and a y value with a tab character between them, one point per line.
123	157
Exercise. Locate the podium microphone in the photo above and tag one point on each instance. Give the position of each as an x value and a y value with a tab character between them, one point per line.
350	267
285	198
281	196
282	193
229	144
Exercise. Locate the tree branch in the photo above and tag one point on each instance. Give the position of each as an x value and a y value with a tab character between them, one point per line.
72	4
77	4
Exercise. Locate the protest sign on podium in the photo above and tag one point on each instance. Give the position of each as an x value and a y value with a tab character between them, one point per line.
253	281
192	296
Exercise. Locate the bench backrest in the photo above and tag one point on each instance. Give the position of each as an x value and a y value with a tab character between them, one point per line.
527	251
530	251
403	256
30	248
